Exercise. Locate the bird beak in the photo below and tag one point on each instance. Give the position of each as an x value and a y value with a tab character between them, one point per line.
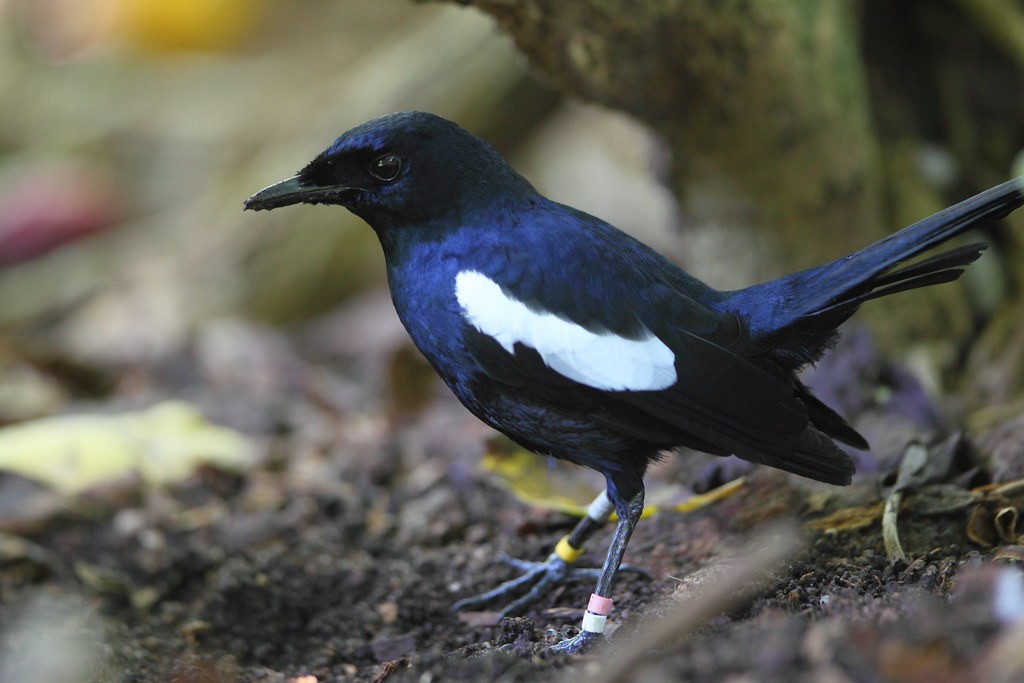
293	191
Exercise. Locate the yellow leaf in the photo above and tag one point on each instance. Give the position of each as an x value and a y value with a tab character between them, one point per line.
529	479
162	444
570	490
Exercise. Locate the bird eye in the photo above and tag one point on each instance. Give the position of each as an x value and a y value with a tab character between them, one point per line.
386	167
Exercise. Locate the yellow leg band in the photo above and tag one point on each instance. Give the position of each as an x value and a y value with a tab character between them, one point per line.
566	553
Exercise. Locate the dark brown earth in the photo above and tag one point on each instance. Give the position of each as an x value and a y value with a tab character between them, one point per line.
339	556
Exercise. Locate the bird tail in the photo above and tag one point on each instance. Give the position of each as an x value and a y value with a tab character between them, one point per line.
797	315
814	456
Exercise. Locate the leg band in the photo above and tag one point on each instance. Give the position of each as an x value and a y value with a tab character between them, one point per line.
594	623
597	613
566	552
600	606
600	508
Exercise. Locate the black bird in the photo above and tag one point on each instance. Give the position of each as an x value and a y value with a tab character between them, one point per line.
579	342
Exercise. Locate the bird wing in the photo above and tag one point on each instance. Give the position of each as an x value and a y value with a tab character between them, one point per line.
644	358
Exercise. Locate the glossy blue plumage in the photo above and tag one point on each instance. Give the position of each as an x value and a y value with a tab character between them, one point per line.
455	205
579	342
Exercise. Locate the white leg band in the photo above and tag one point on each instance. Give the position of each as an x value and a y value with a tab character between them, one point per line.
600	508
593	623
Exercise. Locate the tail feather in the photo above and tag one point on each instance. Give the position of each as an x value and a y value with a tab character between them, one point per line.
954	258
816	457
849	304
829	421
796	316
860	268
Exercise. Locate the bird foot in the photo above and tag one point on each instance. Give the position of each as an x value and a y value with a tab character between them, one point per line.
579	644
536	579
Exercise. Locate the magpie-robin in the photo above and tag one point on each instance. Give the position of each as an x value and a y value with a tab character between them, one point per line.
579	342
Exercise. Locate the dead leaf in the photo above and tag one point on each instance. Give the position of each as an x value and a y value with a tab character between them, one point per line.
848	519
980	529
162	444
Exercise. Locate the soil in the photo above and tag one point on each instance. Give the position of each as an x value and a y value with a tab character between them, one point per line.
339	557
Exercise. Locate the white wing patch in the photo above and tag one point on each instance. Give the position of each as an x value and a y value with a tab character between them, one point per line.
602	361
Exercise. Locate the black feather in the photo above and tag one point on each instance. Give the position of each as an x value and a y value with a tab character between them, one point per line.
795	317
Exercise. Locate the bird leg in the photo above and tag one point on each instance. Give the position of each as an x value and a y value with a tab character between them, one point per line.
600	602
557	568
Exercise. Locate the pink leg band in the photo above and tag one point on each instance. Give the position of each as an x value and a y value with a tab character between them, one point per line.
600	606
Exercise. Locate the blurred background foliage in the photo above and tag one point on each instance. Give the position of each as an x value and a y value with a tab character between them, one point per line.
763	137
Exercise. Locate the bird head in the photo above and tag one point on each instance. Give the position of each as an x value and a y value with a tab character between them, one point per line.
405	169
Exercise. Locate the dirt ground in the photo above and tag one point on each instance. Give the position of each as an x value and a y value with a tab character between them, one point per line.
339	555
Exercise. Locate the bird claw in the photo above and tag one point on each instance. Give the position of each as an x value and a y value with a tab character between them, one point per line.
536	578
579	644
